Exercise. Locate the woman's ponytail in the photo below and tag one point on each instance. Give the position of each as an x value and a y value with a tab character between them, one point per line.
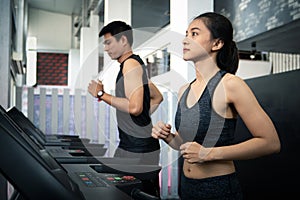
228	58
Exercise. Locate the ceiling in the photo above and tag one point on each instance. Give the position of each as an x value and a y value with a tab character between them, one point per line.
148	16
145	13
282	39
67	7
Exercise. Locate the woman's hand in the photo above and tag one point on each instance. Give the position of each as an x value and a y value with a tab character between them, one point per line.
161	130
193	152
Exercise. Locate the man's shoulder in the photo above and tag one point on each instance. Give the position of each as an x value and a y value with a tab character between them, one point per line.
136	57
133	61
131	65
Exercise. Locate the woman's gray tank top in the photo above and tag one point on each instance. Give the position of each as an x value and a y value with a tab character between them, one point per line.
200	122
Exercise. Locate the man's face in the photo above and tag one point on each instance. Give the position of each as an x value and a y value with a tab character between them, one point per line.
113	47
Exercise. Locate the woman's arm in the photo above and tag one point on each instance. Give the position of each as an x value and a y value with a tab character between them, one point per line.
162	131
265	138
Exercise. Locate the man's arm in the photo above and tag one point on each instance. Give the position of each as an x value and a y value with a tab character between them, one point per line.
133	103
134	92
155	97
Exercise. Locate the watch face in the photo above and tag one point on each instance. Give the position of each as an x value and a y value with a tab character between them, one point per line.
100	93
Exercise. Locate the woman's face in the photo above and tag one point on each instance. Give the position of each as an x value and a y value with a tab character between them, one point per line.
198	43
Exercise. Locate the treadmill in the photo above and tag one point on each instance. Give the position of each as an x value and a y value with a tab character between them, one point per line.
64	151
66	154
92	155
123	177
54	136
42	177
55	139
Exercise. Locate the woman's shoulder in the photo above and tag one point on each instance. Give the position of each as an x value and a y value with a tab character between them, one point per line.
231	80
235	86
182	89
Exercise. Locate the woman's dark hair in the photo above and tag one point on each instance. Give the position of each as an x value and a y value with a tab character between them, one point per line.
220	27
117	29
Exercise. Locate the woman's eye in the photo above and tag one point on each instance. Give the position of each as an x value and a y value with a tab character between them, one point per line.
194	34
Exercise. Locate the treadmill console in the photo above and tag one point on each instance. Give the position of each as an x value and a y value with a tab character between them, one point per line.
126	183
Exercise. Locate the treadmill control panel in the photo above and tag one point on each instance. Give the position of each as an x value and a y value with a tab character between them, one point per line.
117	179
91	179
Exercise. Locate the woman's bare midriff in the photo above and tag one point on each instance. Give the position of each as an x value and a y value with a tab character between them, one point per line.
208	169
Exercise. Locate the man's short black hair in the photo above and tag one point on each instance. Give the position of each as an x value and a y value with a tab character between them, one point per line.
117	29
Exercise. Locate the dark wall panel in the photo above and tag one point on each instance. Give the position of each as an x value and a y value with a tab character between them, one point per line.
272	25
275	176
257	16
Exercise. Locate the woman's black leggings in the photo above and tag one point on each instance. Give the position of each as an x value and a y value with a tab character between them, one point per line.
225	187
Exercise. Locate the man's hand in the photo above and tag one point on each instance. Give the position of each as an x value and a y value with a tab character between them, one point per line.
94	87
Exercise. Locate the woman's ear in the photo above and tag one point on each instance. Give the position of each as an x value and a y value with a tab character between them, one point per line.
218	44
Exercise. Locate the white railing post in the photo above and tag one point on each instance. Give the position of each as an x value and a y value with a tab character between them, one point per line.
101	125
54	111
78	113
30	103
112	135
66	111
42	113
90	117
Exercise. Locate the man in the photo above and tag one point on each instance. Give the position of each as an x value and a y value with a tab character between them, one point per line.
136	98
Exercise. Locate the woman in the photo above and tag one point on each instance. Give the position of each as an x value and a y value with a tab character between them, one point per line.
207	113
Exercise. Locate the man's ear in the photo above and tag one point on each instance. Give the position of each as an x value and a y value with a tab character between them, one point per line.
124	39
218	44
